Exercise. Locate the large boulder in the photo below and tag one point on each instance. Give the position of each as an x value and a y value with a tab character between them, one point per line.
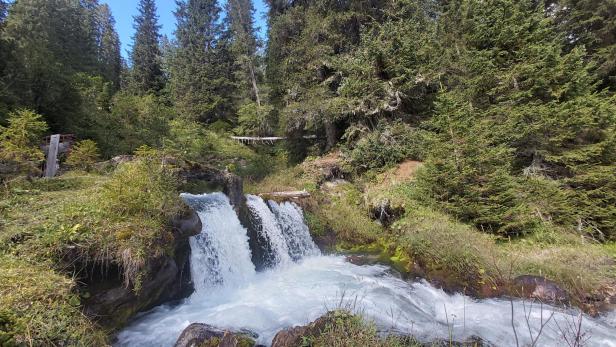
204	335
539	288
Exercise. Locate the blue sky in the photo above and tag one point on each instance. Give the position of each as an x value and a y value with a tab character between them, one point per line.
125	10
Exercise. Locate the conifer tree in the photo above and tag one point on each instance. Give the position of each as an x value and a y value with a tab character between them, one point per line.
147	75
244	45
109	55
201	66
527	95
591	23
50	44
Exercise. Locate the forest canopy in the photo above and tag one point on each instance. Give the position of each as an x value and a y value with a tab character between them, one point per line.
510	104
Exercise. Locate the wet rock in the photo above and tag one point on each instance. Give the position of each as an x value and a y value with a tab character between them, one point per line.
203	335
233	187
292	337
539	288
385	213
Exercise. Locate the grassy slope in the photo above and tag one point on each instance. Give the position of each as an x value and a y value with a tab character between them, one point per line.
51	228
430	243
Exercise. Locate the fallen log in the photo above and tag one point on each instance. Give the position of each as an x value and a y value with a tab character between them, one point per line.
285	195
266	140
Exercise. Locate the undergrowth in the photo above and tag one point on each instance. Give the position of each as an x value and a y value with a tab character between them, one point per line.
54	231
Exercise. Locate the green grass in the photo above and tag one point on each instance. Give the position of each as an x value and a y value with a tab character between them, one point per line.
346	330
39	307
53	231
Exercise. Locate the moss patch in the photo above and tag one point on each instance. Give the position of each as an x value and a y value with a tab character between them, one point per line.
39	307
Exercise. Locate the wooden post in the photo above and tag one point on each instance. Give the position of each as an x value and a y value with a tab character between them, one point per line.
52	156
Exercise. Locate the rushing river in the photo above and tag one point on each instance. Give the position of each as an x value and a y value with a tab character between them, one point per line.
304	284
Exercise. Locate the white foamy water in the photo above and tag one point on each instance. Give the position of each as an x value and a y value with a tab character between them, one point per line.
301	291
220	253
297	235
270	229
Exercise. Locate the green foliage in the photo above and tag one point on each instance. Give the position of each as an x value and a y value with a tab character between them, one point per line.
146	75
145	187
135	121
19	142
255	120
347	218
50	41
344	329
83	155
201	65
388	144
591	23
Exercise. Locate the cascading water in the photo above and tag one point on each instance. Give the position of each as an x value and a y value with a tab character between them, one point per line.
270	229
220	254
297	235
234	296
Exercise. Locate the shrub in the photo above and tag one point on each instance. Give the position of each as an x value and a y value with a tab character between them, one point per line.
255	120
84	155
344	329
144	187
19	141
387	145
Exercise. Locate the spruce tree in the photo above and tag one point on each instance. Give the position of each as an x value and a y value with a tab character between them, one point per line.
536	101
109	54
591	23
147	75
244	46
200	69
49	44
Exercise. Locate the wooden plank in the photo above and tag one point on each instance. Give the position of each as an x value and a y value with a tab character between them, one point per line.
52	156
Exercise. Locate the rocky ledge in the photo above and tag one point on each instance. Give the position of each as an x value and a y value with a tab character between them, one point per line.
167	278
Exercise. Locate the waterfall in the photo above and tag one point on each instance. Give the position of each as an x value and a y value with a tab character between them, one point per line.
220	254
230	294
269	230
296	232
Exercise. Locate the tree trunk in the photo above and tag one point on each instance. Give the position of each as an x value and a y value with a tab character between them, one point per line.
331	134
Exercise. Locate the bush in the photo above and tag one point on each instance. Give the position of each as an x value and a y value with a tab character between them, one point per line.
387	145
19	142
255	120
83	155
144	187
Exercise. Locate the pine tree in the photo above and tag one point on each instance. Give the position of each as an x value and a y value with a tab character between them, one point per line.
201	65
109	55
147	75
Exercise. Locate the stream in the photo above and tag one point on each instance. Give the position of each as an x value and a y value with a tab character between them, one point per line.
303	284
